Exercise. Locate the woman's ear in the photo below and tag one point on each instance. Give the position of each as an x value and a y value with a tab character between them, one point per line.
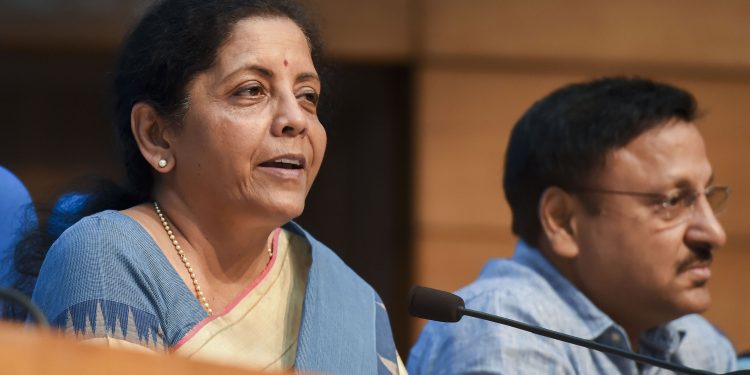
558	219
150	132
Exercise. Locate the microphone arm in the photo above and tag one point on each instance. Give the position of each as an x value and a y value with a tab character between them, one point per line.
19	298
433	304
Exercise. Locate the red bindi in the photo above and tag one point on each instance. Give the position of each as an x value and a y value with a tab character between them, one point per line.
286	62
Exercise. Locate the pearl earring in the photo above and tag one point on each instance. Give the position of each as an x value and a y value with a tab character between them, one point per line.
162	163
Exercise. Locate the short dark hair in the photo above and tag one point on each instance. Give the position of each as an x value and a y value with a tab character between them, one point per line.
563	139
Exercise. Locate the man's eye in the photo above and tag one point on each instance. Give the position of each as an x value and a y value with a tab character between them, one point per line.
675	199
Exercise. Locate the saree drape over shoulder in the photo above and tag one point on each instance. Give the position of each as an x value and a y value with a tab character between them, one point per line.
106	279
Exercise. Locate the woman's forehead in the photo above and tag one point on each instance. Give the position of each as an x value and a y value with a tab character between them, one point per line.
265	37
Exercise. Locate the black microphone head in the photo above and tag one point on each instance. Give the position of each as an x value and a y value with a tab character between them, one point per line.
433	304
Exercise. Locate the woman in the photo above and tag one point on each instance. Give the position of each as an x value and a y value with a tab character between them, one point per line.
216	113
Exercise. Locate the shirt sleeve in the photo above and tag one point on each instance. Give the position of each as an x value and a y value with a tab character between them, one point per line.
90	287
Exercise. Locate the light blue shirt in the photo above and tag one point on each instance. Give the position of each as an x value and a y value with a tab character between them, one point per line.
529	289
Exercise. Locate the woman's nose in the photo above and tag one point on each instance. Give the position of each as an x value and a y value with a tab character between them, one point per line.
290	119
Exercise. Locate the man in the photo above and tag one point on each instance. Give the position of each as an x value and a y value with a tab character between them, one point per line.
614	203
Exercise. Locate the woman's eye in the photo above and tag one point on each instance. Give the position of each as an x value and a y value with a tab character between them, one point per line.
251	91
311	97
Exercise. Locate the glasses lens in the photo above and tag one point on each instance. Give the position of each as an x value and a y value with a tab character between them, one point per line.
675	207
717	197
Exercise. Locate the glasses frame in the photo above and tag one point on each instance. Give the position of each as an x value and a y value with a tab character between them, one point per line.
668	201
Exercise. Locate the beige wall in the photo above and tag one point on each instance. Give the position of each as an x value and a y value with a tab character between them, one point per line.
480	63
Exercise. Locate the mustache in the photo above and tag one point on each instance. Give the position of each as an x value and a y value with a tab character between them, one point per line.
702	253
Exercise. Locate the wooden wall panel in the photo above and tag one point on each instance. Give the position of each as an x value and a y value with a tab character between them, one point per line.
65	25
672	31
375	31
364	29
463	122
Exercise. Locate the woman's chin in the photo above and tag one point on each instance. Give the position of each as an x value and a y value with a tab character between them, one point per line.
286	211
280	208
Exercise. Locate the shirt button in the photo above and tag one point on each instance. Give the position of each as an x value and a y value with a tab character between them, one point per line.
615	337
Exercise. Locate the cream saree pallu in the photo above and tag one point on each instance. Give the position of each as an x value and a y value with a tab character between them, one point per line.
260	328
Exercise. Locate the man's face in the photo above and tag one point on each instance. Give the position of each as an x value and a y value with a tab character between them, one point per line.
637	266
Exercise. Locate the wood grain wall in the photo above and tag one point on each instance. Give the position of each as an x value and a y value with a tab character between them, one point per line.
479	64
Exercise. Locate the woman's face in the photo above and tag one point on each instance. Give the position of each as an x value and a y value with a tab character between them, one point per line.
251	140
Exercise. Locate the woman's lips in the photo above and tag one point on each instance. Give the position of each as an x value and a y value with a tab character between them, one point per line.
286	166
283	173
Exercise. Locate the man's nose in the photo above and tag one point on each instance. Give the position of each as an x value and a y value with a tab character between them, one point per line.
704	225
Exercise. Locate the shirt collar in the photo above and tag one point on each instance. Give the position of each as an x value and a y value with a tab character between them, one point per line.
593	322
661	341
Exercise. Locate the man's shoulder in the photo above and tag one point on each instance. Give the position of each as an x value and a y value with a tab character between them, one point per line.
699	332
516	293
703	345
508	289
513	290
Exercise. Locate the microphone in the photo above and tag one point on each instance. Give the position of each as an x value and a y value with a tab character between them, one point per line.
438	305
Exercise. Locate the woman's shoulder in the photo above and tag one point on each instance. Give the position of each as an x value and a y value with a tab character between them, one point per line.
96	246
106	266
108	219
103	233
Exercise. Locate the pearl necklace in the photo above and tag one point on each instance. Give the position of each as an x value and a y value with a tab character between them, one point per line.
183	257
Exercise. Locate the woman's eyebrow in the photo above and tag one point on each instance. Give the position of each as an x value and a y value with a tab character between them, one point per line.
308	76
259	69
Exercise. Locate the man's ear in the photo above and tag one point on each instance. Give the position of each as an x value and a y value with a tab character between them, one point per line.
150	132
558	219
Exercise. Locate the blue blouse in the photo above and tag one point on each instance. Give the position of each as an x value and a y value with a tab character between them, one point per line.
105	276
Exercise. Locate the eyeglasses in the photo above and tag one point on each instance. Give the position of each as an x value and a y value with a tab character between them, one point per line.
677	205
